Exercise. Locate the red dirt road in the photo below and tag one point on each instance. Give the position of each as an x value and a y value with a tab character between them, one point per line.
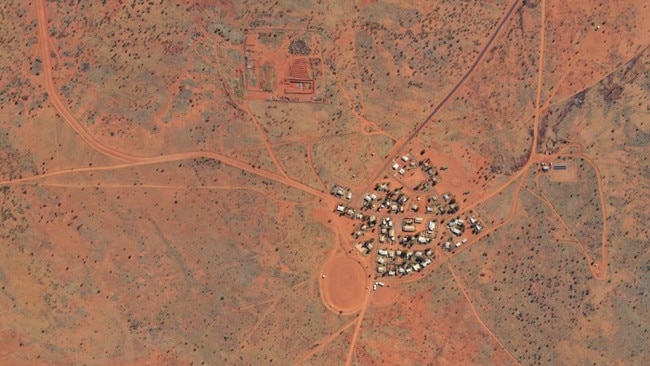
44	41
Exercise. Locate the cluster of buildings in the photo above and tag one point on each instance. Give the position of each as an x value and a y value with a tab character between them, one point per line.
546	166
448	205
431	173
476	226
393	201
448	246
341	192
407	164
457	228
392	218
365	247
410	233
391	222
402	262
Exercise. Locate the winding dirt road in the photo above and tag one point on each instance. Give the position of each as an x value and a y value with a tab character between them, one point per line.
48	74
130	159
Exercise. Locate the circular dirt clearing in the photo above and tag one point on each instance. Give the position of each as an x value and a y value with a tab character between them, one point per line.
343	285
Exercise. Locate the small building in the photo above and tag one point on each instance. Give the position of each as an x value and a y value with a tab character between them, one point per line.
431	226
341	192
372	221
408	228
383	187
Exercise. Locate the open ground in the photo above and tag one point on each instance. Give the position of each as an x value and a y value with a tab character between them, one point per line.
196	183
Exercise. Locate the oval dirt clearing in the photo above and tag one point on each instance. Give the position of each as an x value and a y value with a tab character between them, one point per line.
343	285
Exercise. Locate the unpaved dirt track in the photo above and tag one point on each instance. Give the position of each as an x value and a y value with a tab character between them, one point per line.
399	145
184	156
540	81
478	318
357	329
128	160
44	41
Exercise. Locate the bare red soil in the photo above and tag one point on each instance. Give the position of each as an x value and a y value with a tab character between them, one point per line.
344	285
165	170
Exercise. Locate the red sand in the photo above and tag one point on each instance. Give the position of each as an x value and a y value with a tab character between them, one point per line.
384	296
344	285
